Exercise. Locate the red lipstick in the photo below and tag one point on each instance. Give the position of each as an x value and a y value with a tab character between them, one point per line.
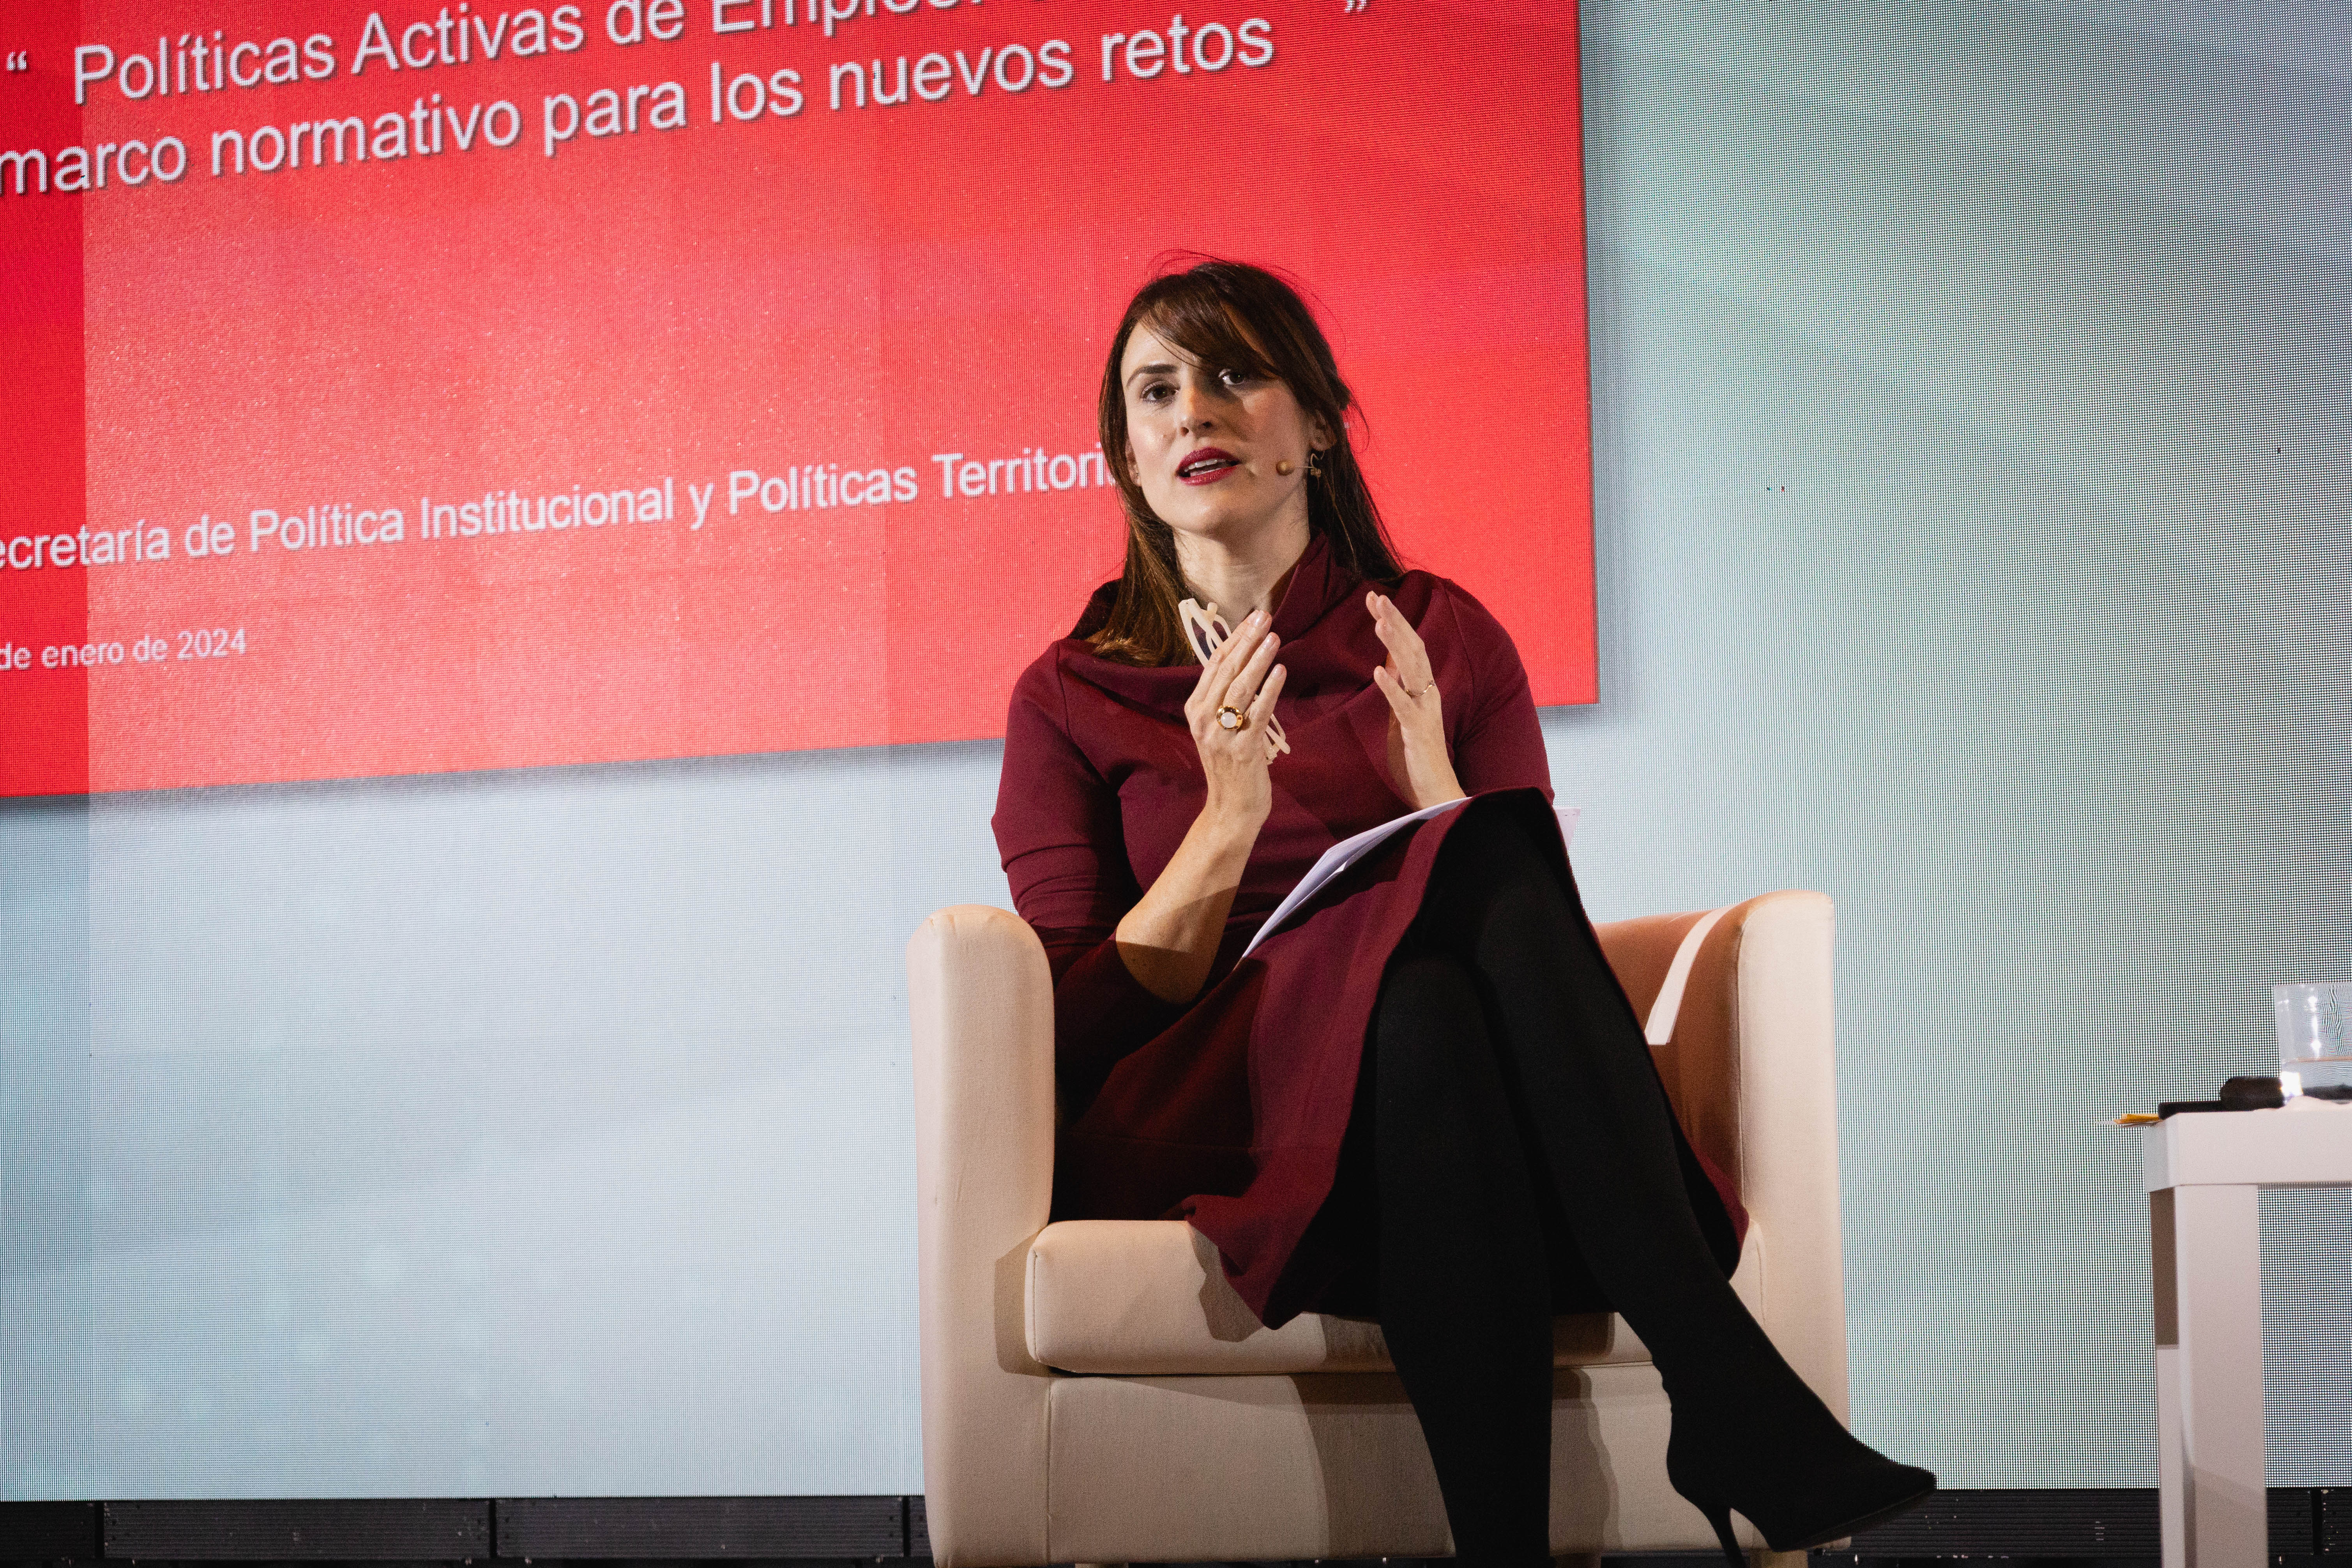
1206	466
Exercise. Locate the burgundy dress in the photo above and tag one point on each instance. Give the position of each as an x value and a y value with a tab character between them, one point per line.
1229	1112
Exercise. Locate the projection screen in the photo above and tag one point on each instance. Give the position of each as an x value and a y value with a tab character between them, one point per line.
500	388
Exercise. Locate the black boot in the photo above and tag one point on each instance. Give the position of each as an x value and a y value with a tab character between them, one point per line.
1750	1435
1748	1432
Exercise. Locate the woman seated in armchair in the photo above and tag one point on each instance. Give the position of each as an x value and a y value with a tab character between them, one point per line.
1424	1098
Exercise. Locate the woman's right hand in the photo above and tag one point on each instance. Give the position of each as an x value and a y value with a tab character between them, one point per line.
1242	675
1169	940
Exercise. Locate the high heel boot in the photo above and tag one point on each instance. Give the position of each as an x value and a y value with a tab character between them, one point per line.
1751	1434
1748	1432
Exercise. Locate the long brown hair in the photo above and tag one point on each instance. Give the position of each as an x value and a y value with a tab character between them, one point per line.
1229	315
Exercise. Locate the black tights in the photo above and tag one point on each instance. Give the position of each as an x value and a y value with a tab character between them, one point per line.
1522	1159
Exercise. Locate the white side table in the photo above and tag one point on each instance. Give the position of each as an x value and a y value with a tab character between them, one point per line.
2203	1171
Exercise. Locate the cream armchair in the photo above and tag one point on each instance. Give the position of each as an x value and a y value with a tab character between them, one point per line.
1094	1391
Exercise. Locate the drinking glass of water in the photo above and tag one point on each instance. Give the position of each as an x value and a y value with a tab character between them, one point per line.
2315	1040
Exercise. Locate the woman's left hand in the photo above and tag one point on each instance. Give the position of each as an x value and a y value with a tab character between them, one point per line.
1417	756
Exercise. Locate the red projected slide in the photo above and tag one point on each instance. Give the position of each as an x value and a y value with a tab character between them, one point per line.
490	384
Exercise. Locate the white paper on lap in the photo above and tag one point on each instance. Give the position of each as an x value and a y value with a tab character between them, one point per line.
1348	851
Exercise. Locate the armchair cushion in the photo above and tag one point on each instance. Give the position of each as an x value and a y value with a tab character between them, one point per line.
1145	1298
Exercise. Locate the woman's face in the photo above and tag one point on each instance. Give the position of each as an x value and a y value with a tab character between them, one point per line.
1208	443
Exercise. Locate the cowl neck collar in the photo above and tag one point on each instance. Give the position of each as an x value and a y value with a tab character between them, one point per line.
1318	585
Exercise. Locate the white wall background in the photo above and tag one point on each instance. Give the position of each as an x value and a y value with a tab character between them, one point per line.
1972	460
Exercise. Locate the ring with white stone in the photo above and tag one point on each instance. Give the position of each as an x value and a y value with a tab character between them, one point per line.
1231	718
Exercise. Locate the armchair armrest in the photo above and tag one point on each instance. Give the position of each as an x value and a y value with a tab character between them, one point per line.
1785	1013
1740	1005
981	1001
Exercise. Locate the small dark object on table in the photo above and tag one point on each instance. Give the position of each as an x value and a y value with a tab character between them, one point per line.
2238	1094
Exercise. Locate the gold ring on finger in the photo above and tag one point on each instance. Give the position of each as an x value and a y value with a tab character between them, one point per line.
1232	718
